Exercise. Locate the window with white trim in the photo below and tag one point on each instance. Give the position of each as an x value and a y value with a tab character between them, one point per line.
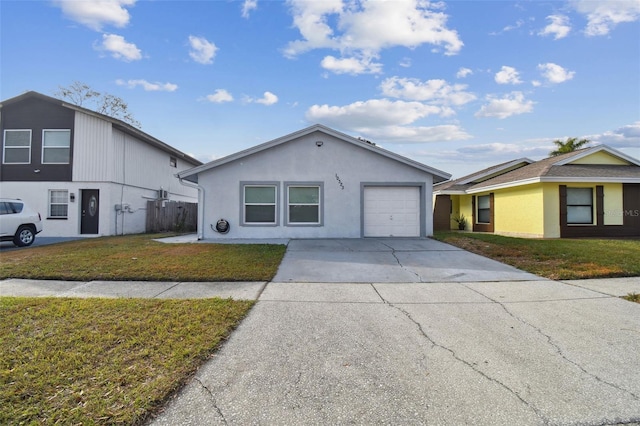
17	147
259	204
579	206
58	203
484	209
303	204
56	146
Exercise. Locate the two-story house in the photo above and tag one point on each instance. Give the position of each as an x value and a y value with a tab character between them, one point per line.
87	173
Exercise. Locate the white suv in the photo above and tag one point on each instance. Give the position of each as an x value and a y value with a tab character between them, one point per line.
18	223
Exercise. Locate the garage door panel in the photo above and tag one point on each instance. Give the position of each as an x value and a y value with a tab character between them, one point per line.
392	211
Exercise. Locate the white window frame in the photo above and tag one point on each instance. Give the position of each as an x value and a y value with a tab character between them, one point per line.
44	131
488	196
592	205
51	203
319	204
5	147
244	204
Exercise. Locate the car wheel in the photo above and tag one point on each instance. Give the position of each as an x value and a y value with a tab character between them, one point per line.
24	236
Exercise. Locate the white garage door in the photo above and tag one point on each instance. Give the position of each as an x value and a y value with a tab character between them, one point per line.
392	211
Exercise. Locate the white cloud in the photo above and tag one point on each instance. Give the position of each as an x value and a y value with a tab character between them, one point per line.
267	99
362	29
248	6
220	96
555	73
202	50
463	72
405	62
512	104
558	27
97	13
371	114
119	48
437	91
149	87
507	75
415	134
603	16
624	137
351	65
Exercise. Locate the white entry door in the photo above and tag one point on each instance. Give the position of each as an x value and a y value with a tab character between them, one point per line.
391	211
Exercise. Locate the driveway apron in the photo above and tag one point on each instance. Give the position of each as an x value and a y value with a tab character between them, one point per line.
428	350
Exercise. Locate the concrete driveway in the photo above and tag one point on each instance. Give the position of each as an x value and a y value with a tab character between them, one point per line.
403	260
515	351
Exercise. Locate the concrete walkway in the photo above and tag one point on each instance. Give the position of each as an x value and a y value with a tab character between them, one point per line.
441	348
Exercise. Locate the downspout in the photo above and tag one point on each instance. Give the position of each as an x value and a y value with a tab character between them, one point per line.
200	224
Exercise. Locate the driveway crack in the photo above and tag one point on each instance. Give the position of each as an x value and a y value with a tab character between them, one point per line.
213	399
463	361
553	344
393	253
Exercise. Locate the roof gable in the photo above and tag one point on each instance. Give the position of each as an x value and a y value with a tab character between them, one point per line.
118	124
601	155
191	174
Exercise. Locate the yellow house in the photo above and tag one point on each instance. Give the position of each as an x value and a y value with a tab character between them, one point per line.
592	192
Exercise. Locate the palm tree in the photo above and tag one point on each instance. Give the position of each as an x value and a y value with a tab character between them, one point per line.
570	145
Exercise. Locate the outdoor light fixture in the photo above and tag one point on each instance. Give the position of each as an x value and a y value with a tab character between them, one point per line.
319	143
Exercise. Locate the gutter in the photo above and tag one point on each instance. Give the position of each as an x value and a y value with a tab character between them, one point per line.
200	224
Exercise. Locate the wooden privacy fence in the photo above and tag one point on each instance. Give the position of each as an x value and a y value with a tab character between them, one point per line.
174	216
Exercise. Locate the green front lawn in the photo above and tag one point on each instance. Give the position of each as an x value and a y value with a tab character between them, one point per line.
138	257
103	361
557	259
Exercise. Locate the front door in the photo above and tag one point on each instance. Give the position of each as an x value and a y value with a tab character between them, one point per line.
90	211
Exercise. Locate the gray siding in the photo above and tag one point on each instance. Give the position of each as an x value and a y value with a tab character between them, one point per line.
36	115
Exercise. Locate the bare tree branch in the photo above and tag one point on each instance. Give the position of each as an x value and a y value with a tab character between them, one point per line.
83	95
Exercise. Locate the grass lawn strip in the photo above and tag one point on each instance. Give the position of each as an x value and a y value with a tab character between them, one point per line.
103	361
557	259
139	258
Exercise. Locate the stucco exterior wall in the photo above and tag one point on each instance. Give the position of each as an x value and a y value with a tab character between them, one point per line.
340	166
465	207
613	204
551	200
519	211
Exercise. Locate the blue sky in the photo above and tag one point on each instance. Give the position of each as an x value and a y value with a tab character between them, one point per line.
457	85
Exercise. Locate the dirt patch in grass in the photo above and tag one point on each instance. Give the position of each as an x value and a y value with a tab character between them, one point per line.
138	257
103	361
555	259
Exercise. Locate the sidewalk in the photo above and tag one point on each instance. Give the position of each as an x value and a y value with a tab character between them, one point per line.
131	289
235	290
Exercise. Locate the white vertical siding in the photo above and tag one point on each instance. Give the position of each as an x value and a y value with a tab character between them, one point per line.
92	149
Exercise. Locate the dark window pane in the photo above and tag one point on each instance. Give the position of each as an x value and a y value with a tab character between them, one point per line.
260	214
304	214
16	155
56	155
484	216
